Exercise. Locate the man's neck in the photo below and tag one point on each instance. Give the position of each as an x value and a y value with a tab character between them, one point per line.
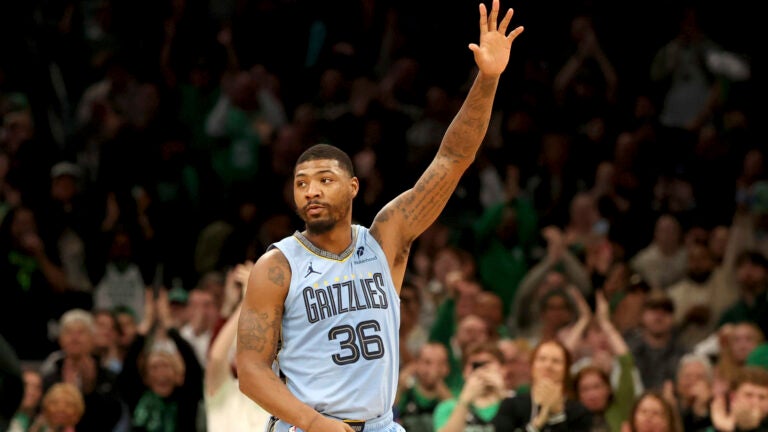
428	392
336	240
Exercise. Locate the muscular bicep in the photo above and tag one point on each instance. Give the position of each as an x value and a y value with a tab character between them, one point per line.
413	211
258	330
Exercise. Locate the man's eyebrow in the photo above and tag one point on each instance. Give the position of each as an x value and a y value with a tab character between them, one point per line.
322	171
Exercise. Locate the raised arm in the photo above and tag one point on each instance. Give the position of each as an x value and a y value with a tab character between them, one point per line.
258	333
217	371
408	215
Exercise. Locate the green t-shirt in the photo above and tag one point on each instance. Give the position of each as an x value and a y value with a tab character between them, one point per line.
415	410
479	419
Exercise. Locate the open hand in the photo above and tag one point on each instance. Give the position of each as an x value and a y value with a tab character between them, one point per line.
492	55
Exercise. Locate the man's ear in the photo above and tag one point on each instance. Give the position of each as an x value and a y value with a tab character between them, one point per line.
355	185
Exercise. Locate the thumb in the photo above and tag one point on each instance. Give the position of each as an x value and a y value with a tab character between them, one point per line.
474	47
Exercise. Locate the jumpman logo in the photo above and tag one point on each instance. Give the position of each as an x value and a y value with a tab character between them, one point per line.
310	270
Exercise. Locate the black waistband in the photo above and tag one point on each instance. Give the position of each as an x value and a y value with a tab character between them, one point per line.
356	425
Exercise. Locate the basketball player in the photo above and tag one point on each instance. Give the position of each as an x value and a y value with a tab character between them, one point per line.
329	294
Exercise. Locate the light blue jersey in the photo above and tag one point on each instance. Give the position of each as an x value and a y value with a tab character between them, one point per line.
340	334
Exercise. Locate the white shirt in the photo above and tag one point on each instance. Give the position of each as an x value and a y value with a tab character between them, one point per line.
229	410
200	343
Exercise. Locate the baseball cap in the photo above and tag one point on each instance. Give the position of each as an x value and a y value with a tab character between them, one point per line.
659	300
65	168
178	295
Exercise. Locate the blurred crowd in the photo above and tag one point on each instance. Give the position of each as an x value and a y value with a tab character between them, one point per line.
606	255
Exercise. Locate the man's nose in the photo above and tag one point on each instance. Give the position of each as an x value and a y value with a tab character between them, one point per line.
313	190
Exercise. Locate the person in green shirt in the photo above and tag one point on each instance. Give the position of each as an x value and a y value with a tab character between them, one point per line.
422	387
479	399
609	402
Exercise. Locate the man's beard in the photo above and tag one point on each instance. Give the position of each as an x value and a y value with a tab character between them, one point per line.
324	225
321	226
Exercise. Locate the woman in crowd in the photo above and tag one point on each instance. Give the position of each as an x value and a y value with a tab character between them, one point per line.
63	406
548	406
652	413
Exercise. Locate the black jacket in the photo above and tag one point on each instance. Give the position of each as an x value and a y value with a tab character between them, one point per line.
515	414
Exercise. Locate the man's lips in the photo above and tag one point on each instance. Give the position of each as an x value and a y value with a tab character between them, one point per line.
313	209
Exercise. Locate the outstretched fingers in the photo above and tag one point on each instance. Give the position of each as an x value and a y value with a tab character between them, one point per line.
483	19
494	16
505	21
515	33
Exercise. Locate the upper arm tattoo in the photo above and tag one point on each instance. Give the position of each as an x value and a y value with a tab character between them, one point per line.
276	274
429	196
257	329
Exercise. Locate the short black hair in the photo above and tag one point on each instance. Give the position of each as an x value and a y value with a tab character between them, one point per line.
327	151
752	256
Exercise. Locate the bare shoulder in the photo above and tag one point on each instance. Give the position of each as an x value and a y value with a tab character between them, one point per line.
271	269
386	225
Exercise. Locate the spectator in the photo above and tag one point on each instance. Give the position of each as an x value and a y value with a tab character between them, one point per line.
412	334
701	297
491	307
653	413
226	408
450	265
30	404
462	299
746	408
482	392
627	304
67	218
76	364
31	156
556	270
586	84
243	118
161	380
122	282
586	227
517	364
128	328
752	280
607	380
202	318
31	275
471	329
549	405
654	345
504	237
694	389
688	86
612	205
557	312
555	181
63	407
106	340
421	387
735	343
663	261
